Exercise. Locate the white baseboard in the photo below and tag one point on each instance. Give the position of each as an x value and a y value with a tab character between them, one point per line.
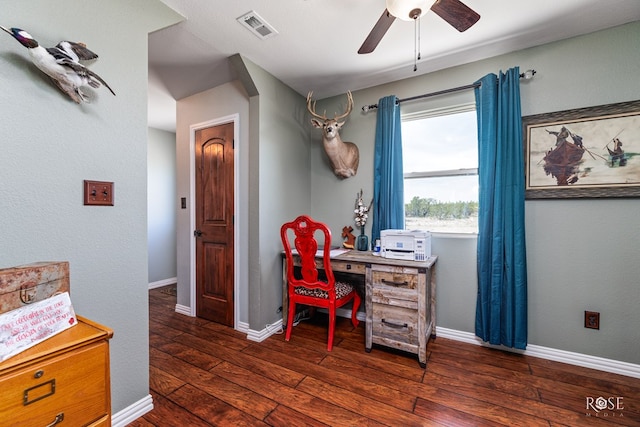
344	312
259	336
165	282
242	327
276	328
578	359
132	412
563	356
184	309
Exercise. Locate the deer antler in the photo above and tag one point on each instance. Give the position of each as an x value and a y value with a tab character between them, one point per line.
312	108
349	107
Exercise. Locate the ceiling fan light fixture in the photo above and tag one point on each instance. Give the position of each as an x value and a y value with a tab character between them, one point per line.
407	10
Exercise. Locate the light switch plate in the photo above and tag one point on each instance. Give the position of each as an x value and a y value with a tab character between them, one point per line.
98	193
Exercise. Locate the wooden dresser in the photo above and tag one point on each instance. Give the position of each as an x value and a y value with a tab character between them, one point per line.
63	381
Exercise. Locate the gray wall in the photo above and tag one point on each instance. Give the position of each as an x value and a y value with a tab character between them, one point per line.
50	145
162	205
581	254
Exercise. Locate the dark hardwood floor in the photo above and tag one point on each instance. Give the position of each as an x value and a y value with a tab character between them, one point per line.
206	374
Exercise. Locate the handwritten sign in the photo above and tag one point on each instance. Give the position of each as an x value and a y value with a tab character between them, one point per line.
27	326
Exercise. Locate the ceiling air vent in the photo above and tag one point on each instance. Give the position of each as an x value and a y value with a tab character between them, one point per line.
257	25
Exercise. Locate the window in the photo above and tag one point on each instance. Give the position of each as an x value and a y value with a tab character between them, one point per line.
440	161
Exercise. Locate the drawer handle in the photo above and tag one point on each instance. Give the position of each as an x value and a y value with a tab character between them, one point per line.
392	283
59	418
394	325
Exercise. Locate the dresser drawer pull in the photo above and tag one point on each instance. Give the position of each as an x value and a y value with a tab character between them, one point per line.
59	418
394	325
39	392
392	283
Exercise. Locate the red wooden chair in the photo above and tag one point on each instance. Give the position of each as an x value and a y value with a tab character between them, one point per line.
304	287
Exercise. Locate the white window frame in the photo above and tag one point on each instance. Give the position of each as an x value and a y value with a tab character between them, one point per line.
426	114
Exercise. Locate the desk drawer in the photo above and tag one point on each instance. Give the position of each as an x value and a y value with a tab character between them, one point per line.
338	266
398	324
395	285
73	385
347	267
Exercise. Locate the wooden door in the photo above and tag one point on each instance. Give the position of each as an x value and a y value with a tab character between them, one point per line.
214	224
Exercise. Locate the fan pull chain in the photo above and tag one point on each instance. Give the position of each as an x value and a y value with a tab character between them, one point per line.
419	47
416	44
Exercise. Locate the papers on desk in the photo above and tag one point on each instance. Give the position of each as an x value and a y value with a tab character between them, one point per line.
332	254
336	252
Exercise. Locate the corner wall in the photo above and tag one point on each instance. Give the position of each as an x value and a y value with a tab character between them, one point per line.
281	190
50	145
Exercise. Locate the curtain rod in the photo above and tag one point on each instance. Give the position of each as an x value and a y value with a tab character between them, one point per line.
527	75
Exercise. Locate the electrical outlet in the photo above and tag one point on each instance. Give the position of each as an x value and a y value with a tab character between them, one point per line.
592	319
98	193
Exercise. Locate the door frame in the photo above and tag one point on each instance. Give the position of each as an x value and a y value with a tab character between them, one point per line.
235	119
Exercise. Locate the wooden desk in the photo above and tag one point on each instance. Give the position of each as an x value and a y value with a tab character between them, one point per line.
400	299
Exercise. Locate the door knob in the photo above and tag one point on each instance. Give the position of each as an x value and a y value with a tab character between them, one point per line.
197	233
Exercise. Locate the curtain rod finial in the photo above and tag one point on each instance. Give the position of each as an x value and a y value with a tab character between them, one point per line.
528	75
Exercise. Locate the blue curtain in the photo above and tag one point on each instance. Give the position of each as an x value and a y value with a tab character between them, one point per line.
388	178
501	309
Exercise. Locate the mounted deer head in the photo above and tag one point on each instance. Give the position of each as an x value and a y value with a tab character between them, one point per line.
344	156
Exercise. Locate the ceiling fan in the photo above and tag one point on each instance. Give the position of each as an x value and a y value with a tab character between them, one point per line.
457	14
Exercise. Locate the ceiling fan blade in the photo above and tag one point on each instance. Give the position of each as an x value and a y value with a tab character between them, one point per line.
457	14
377	32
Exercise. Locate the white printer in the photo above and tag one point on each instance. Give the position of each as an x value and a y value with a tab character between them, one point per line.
412	245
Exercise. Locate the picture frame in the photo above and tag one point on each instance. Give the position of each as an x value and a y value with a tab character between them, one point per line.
591	152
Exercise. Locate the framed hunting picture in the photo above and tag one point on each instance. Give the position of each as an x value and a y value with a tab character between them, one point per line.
583	153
